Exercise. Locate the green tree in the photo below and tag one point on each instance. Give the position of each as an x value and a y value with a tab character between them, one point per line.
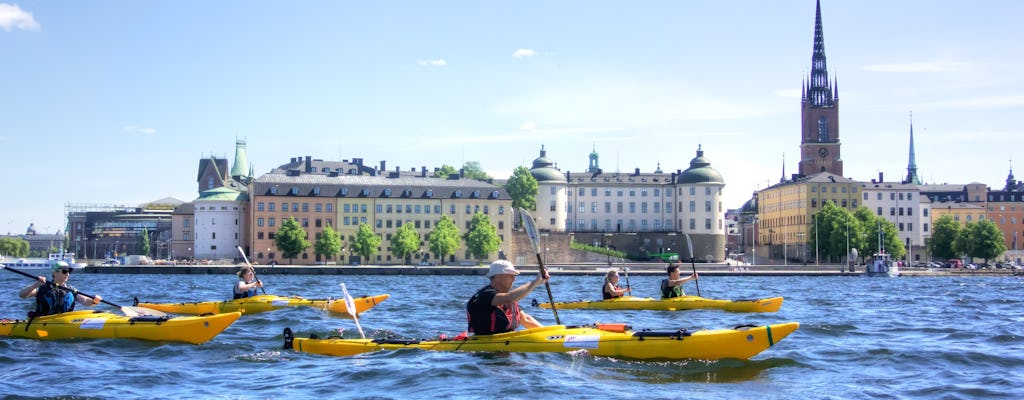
328	245
522	188
482	238
444	171
367	243
405	242
944	233
964	242
14	247
144	243
444	238
987	240
473	170
291	239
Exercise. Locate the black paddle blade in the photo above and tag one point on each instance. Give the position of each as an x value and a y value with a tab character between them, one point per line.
289	337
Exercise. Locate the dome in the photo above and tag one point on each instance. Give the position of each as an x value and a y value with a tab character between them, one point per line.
543	169
700	171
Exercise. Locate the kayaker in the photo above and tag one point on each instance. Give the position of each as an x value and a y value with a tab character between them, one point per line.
247	284
495	307
58	297
673	286
611	288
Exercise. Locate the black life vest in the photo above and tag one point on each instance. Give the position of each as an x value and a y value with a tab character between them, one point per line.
486	319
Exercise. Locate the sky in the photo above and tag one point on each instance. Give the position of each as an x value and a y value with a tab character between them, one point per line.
115	102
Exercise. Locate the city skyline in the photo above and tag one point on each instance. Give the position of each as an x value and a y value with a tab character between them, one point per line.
116	102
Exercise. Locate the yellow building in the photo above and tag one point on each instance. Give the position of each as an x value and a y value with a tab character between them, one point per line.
962	213
785	214
385	203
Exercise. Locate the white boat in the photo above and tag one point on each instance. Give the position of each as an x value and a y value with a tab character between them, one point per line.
882	265
42	264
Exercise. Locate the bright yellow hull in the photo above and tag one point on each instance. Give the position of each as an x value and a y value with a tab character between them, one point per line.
264	303
90	324
771	304
739	343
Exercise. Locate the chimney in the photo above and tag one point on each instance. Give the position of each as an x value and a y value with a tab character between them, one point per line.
636	171
880	177
309	164
383	166
423	171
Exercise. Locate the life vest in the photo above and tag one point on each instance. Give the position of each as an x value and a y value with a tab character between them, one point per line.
248	293
54	300
607	295
668	292
486	319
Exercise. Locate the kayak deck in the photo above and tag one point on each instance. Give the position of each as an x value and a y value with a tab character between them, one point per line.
771	304
739	343
263	303
89	324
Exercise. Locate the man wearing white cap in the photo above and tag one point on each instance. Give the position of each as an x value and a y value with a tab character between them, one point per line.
495	307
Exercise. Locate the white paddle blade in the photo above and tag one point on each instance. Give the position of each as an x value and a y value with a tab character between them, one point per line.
531	229
689	245
350	304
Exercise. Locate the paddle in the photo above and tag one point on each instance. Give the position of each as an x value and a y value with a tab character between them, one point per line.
129	311
689	245
625	270
250	267
350	306
531	232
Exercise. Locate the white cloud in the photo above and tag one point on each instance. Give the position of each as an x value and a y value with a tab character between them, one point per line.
524	53
140	130
980	102
923	67
529	126
12	16
433	63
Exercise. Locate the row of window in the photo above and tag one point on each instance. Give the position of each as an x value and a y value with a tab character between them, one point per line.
619	207
631	225
842	189
387	192
892	196
620	192
380	208
318	207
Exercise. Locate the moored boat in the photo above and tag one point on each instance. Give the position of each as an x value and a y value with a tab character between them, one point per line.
882	265
264	303
39	264
92	324
771	304
604	340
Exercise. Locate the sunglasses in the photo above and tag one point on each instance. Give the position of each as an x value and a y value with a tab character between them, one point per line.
65	270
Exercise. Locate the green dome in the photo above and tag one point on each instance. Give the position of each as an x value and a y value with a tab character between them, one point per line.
543	169
222	194
700	171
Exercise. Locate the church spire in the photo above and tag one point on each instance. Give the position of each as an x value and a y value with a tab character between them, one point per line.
819	89
912	164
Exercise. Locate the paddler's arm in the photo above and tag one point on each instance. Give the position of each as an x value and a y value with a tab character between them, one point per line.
527	320
518	293
680	281
31	289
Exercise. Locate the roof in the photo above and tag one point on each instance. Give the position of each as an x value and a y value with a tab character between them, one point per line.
700	171
364	186
222	194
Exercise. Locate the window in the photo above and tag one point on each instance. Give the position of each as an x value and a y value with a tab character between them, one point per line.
305	207
316	191
259	206
330	207
319	207
270	222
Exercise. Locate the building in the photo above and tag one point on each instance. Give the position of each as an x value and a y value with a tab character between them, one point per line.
904	206
786	214
819	111
317	199
99	231
636	212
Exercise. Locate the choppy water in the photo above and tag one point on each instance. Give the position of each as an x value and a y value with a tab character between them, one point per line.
928	338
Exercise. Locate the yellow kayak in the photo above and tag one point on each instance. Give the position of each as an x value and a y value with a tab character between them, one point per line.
91	324
611	340
263	303
771	304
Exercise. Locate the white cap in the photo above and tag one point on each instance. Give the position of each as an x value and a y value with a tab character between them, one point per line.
502	267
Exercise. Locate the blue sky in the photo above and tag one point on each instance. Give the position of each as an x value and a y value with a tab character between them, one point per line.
116	101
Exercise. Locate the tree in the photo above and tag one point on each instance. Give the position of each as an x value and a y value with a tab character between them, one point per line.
987	240
366	243
444	171
522	188
14	247
473	170
444	238
291	239
329	244
944	233
144	243
405	242
964	242
482	238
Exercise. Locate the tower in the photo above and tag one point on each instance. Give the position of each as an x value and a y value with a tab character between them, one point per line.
819	112
238	170
912	164
594	168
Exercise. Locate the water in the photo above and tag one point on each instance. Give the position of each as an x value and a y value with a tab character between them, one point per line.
867	338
